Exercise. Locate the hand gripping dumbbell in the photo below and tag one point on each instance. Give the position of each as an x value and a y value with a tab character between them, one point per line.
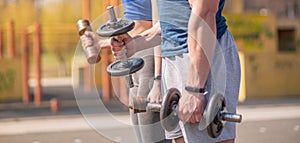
214	112
113	28
169	111
91	52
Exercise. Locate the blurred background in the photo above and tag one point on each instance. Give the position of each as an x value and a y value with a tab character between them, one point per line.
38	41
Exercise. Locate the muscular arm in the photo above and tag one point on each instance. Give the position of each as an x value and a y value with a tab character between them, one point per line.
201	40
201	45
154	95
147	39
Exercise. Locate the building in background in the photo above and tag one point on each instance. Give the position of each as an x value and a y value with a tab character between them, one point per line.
267	33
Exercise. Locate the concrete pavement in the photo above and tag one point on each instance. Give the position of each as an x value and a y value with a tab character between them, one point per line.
12	126
264	120
262	123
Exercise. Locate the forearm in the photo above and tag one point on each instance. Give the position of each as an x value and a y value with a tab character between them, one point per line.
157	61
140	27
157	50
201	40
147	39
103	44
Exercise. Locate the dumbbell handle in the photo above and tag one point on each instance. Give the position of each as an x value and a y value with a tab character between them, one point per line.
113	19
231	117
128	78
143	105
154	107
111	14
91	52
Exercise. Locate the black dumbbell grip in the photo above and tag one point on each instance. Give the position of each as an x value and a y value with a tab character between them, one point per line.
230	117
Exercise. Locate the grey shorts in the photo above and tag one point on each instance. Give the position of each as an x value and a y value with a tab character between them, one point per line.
224	77
146	125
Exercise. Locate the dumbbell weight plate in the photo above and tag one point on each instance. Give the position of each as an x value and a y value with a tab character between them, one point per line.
168	115
215	105
111	29
122	68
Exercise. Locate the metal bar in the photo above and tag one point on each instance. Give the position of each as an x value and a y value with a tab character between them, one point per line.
86	9
106	80
106	87
154	107
1	44
25	64
11	40
37	59
230	117
115	2
111	14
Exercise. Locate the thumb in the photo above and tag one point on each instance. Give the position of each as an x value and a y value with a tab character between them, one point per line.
121	54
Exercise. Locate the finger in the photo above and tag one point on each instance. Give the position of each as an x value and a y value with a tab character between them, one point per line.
119	40
148	98
191	119
197	115
185	115
157	100
121	54
181	113
88	33
160	99
151	100
116	42
86	41
120	37
116	48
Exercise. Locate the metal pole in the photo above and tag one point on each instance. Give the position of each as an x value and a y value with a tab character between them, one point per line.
86	9
25	64
106	81
86	14
37	59
115	2
11	40
1	44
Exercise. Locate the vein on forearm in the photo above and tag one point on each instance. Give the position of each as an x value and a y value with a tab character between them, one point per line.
201	40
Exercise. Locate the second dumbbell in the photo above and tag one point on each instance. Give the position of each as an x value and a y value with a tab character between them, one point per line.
140	104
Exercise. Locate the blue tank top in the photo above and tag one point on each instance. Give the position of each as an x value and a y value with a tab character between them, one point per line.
174	17
137	9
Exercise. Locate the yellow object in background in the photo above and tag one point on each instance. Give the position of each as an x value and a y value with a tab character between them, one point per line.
10	79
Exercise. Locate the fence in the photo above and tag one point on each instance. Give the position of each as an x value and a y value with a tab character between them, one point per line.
15	68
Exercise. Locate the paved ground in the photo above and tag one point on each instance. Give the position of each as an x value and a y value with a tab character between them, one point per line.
260	125
275	120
